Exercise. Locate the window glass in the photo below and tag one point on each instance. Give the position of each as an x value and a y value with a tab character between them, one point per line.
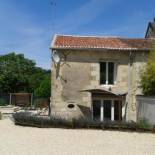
103	73
110	73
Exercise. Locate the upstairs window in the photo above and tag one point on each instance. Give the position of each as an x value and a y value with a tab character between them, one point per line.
107	72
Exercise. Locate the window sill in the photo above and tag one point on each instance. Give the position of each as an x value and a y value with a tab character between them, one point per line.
108	86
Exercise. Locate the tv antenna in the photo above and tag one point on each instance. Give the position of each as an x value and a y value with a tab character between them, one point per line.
53	5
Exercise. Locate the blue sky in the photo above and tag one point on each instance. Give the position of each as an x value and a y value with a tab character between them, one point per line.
27	26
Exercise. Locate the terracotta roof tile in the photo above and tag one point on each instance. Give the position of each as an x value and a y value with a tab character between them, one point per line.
89	42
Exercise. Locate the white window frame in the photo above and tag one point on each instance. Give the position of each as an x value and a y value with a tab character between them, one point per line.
115	73
112	108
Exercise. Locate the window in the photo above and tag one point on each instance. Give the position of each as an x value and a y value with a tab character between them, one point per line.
107	73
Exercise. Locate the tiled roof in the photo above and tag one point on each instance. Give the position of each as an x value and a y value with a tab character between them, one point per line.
95	42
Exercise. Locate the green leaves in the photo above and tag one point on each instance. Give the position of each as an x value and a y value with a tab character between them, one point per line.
148	76
44	90
19	74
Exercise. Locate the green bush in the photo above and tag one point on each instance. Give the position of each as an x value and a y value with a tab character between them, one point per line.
29	119
143	124
148	76
3	102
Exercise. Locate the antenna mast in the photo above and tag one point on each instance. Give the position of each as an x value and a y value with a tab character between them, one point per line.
53	6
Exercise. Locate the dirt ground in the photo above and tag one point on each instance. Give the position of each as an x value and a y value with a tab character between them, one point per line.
18	140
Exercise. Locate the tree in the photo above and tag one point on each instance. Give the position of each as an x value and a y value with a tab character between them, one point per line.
19	74
148	76
44	90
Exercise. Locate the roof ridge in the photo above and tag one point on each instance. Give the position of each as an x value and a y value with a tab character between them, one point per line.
97	36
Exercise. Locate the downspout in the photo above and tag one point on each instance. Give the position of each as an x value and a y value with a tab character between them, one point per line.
51	98
129	83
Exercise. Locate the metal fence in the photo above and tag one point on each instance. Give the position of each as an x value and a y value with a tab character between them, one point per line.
146	109
4	99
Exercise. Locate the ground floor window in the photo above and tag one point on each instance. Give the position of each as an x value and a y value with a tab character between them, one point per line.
107	110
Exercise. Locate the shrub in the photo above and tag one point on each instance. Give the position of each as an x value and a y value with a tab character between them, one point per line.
148	76
29	119
144	124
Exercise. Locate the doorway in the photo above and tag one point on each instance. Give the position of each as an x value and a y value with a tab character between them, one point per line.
97	110
107	110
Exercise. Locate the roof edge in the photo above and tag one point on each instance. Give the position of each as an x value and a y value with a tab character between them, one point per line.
98	48
53	41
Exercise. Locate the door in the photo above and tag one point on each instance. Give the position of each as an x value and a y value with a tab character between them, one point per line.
117	110
107	110
96	110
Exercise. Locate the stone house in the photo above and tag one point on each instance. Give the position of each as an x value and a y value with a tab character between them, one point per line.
97	77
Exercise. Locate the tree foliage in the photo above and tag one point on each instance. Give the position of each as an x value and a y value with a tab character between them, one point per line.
44	90
148	76
19	74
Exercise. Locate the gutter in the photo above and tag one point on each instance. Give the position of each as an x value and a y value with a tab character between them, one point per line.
97	48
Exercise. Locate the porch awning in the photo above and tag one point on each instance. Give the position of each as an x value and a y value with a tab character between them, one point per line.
106	92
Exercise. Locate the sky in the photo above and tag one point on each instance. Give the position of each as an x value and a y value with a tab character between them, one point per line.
28	26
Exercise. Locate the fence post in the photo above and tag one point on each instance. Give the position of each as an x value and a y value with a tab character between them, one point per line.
31	99
10	100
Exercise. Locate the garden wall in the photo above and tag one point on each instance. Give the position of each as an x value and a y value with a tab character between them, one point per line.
146	109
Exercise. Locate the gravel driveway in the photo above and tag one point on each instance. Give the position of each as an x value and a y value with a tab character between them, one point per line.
17	140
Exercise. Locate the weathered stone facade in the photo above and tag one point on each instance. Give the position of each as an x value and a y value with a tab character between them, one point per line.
78	70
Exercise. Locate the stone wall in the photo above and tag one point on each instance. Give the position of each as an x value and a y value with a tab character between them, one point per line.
79	70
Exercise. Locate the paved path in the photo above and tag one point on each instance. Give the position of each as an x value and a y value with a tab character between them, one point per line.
17	140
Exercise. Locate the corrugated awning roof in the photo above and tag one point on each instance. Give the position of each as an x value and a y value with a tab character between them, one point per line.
92	42
105	92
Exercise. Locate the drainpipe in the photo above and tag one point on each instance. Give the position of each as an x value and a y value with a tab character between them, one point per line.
51	98
129	81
